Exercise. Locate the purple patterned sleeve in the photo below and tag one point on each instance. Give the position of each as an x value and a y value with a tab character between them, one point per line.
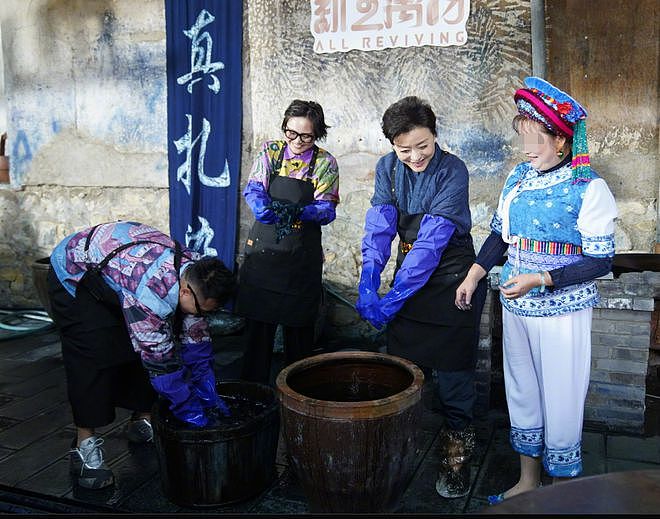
263	163
195	330
151	334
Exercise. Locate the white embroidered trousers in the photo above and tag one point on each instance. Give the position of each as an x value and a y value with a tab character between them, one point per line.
547	363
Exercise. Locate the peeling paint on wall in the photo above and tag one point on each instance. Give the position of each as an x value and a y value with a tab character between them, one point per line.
21	154
87	130
470	88
485	153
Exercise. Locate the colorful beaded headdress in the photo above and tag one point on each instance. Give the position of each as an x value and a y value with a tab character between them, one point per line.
562	115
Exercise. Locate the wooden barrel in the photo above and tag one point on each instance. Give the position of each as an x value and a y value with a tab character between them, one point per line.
350	422
224	463
40	279
4	169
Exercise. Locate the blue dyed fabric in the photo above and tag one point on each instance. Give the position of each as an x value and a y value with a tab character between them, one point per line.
528	442
559	463
563	463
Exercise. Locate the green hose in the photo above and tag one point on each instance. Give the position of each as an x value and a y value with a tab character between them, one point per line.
24	321
333	292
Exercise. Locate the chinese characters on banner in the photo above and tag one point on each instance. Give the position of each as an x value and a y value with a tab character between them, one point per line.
343	25
204	39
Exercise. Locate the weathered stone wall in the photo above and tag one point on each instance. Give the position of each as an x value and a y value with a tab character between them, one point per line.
33	222
610	63
470	88
85	91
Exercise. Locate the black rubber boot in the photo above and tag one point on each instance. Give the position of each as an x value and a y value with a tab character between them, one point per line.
454	475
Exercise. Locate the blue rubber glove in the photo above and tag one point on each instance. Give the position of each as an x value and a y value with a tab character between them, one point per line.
432	239
258	199
321	212
205	390
367	292
380	229
370	311
184	403
198	359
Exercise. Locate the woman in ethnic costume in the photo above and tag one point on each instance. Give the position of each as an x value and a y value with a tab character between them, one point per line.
555	218
421	193
292	190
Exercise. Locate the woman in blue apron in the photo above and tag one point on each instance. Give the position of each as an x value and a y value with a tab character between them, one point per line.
421	194
293	190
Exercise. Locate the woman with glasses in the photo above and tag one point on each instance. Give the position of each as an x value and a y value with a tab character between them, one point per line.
421	193
129	303
292	190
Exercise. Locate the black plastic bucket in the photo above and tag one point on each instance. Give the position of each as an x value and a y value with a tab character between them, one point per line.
219	464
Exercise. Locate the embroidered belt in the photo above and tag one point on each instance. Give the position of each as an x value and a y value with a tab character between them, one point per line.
405	247
547	247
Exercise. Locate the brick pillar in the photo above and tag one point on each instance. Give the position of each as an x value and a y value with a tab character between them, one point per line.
484	355
621	337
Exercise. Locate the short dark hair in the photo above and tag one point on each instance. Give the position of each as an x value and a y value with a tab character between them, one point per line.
310	109
211	279
405	115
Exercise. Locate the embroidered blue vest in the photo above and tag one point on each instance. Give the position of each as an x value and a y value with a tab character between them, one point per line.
538	216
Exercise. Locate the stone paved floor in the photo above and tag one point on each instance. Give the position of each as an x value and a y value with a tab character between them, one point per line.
36	432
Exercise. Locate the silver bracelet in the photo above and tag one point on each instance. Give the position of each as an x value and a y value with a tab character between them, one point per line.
542	276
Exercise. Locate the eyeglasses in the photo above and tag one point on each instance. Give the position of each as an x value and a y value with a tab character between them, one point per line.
304	137
198	310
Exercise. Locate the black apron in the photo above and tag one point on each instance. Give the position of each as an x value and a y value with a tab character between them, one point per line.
429	330
99	308
280	282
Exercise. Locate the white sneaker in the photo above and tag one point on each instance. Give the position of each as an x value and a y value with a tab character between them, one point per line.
86	461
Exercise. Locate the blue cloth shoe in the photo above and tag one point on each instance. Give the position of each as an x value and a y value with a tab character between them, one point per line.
498	498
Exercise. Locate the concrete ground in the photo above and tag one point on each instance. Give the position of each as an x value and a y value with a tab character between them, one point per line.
36	432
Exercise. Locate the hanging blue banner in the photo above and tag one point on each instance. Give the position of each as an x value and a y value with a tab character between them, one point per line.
204	42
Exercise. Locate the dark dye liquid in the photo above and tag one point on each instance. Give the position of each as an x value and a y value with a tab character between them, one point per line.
350	382
348	391
241	410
